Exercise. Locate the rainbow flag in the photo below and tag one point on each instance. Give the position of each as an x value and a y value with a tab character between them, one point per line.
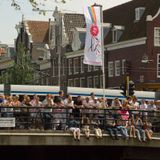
93	47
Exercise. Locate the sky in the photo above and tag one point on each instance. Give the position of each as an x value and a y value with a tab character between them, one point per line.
9	17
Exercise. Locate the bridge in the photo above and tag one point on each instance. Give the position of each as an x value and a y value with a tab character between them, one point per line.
61	143
61	138
27	140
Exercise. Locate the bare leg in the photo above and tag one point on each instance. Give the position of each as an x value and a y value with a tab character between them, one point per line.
74	134
133	132
78	134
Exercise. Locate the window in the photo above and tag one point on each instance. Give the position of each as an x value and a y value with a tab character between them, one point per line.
139	12
96	82
96	68
89	68
141	79
70	82
70	66
82	65
76	66
114	35
158	65
63	66
117	68
76	82
110	69
42	81
47	81
117	33
82	82
54	67
89	82
123	66
157	36
101	81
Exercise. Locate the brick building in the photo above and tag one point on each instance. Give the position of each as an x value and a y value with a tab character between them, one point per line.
132	47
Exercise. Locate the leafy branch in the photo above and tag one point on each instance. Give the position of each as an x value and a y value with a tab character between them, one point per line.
34	3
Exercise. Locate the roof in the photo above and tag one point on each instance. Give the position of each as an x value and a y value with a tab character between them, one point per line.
39	31
124	15
71	21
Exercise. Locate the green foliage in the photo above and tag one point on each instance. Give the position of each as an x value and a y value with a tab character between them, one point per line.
34	3
22	72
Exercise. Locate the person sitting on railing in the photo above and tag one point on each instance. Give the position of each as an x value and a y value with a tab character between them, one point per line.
122	120
147	127
69	105
123	111
59	111
139	130
111	127
100	113
86	125
122	125
131	127
47	112
95	125
74	127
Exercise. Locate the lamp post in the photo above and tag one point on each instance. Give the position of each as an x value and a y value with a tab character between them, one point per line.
58	30
145	59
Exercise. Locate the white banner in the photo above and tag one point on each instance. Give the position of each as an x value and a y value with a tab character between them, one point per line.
93	43
7	122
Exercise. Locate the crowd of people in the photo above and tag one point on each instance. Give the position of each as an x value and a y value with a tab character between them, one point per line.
129	117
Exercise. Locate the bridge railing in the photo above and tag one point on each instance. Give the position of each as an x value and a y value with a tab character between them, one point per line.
57	118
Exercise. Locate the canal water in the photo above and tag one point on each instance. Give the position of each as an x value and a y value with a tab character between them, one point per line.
76	153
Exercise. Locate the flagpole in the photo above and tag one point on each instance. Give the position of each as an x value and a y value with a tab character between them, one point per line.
94	44
102	48
102	44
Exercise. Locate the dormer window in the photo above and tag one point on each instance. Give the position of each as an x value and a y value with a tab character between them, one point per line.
106	28
78	38
116	33
139	12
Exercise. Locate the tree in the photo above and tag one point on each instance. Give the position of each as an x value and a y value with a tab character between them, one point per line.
22	72
35	4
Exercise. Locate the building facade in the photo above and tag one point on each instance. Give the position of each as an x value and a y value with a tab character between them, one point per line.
132	49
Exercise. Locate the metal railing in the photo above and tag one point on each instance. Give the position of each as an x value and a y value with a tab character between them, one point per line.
57	118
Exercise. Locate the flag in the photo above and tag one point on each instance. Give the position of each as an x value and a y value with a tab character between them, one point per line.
93	41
